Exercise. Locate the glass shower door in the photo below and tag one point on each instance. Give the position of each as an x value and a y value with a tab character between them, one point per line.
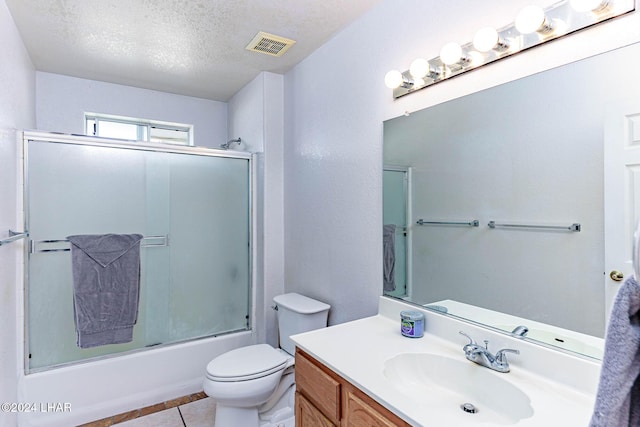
194	211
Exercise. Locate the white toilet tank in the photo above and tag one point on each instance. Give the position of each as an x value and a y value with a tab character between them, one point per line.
297	314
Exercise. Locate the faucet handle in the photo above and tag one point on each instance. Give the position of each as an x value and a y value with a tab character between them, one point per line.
471	341
500	355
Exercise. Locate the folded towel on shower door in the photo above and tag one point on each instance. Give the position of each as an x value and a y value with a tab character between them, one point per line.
389	257
618	399
106	283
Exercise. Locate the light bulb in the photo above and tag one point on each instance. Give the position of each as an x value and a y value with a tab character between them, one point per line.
451	53
477	58
530	19
419	68
393	79
485	39
588	5
560	27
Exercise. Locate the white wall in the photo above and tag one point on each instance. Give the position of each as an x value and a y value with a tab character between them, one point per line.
17	110
336	102
61	102
256	115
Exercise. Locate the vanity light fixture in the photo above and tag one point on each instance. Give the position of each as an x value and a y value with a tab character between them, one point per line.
532	26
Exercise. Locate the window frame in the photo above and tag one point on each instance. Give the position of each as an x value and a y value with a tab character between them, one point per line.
144	127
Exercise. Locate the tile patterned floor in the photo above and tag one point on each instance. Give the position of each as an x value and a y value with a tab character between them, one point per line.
167	418
195	410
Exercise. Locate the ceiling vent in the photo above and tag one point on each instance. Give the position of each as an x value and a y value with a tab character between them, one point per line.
269	44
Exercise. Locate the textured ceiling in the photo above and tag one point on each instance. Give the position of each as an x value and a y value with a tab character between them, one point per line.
188	47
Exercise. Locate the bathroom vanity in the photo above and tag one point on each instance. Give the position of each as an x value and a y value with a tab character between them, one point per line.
324	398
366	373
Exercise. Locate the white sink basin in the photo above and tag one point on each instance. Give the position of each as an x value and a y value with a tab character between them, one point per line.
443	384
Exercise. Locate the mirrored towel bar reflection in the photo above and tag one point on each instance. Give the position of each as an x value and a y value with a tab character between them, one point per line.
576	227
62	245
13	236
473	223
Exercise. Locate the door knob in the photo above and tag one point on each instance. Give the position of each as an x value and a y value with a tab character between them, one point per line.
616	275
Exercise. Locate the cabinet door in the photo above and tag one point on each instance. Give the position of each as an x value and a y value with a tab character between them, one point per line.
318	386
358	413
308	415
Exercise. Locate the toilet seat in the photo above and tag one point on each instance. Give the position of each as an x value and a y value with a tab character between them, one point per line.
246	363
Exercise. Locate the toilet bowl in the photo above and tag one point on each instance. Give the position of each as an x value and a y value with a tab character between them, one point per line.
254	386
241	381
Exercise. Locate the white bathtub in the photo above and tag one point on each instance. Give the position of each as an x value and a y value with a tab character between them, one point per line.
91	391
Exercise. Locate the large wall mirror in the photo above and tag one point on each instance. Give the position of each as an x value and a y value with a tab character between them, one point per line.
528	152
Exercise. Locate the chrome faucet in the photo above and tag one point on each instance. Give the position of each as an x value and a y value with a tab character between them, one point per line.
482	356
520	331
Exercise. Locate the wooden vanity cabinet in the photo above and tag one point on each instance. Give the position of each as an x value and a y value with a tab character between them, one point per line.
325	399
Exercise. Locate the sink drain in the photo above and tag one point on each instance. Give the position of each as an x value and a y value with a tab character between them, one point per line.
469	408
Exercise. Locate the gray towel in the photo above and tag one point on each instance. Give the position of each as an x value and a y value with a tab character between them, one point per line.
618	399
106	282
389	257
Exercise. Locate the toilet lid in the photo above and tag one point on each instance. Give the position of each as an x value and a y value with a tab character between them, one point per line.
246	363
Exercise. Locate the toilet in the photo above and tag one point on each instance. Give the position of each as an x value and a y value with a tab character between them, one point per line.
254	386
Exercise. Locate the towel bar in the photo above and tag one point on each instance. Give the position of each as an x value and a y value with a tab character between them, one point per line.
13	236
147	242
573	227
473	223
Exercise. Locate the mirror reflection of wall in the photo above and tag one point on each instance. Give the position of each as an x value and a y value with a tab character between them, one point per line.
529	151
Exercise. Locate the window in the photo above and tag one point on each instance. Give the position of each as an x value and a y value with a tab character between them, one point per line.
138	130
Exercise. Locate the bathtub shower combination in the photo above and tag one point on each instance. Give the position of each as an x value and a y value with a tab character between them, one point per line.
191	205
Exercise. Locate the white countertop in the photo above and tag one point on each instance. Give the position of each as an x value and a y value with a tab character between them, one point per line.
357	351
